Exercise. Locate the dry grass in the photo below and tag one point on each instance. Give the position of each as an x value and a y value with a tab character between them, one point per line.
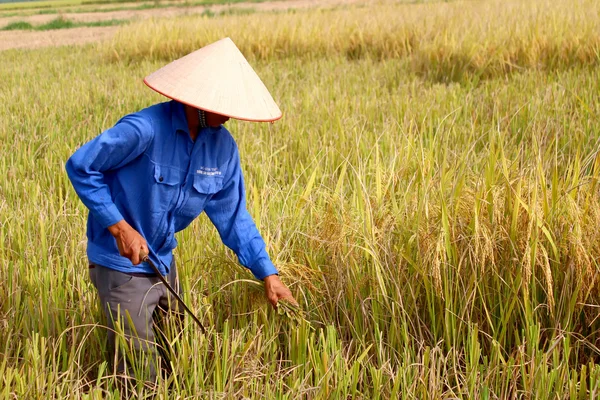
443	42
441	237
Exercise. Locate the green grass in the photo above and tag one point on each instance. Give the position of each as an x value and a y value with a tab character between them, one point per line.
39	4
60	23
85	6
57	4
138	6
65	23
439	227
19	25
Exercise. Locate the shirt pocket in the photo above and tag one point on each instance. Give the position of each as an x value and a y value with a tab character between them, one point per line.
165	175
165	189
203	188
208	184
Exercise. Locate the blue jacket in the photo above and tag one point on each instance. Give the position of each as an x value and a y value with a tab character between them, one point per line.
147	170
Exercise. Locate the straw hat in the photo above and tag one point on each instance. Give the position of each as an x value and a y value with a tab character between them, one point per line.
216	78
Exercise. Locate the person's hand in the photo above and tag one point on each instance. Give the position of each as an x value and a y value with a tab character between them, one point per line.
276	290
129	241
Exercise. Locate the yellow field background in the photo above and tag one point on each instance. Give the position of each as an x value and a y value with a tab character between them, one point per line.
430	196
443	41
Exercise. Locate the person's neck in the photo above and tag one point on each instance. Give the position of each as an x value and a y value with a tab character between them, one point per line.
191	115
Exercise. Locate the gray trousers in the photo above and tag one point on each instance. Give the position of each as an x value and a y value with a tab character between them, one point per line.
136	305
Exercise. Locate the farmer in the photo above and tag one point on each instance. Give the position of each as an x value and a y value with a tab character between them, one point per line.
154	172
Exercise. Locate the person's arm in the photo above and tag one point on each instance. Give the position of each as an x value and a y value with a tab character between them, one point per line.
227	211
112	149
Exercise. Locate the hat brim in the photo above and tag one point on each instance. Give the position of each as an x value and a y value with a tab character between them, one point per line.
273	119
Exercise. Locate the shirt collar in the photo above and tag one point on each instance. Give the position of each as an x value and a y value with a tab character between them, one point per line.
179	120
178	117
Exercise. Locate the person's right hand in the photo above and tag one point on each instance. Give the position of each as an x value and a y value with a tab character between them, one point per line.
129	241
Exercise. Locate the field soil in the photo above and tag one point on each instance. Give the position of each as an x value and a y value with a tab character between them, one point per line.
59	37
34	39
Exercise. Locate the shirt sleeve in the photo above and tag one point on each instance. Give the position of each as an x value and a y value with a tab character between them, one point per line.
227	211
112	149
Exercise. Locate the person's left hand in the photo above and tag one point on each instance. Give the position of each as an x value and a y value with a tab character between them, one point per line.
276	290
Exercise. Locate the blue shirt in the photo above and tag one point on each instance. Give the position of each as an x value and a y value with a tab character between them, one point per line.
147	170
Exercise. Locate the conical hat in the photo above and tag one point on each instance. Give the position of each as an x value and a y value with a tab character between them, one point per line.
216	78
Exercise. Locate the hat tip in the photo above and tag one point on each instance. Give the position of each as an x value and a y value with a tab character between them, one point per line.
219	79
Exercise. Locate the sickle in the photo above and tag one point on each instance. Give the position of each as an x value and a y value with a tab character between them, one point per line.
144	257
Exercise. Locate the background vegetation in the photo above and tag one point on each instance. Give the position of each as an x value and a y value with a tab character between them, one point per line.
31	7
59	23
430	196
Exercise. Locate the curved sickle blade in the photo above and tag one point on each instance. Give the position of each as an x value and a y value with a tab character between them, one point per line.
144	257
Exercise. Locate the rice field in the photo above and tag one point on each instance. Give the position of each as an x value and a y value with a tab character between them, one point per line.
430	196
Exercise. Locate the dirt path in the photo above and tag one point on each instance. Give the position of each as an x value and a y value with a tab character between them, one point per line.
174	11
34	39
59	37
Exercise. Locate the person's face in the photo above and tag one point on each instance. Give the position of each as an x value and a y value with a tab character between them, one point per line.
215	120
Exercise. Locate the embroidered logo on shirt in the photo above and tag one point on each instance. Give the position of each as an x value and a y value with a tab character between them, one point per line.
208	171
